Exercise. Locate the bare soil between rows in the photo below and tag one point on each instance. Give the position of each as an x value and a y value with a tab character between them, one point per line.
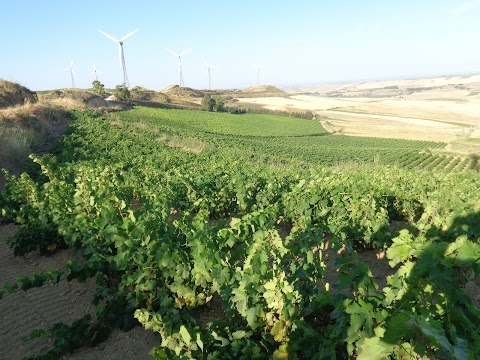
64	302
68	301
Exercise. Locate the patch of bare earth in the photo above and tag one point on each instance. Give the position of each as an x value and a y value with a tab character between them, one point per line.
375	259
50	304
472	289
36	308
380	269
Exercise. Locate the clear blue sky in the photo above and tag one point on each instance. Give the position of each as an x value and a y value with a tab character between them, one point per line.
297	42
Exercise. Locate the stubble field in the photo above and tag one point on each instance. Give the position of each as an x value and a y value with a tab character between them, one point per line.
438	109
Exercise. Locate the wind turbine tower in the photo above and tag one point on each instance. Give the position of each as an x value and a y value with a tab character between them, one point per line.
258	67
208	70
121	56
72	74
95	72
179	56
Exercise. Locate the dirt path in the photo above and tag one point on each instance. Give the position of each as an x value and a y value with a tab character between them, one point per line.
43	307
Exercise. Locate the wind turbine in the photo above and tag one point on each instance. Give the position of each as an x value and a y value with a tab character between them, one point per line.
179	56
258	67
72	73
121	56
208	69
95	72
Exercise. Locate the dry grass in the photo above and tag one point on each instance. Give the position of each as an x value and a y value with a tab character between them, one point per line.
184	92
450	112
67	103
269	89
28	128
12	94
16	145
144	126
186	144
73	99
140	94
462	147
34	116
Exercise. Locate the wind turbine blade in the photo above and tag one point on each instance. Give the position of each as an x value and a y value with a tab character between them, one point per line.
183	53
129	34
205	62
74	73
171	52
108	36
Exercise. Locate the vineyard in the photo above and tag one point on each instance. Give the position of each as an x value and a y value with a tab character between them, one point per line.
276	138
261	220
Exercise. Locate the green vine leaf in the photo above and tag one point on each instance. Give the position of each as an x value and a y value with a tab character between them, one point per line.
373	349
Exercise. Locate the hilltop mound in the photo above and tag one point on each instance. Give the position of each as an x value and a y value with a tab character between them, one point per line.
74	97
12	94
263	89
139	93
175	90
139	88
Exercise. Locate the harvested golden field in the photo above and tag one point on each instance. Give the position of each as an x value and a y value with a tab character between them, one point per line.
438	109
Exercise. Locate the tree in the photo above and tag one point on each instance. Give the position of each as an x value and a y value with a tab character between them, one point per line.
121	92
219	105
208	103
98	87
213	103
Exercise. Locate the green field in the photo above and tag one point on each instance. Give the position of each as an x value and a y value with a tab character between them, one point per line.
271	138
263	225
200	122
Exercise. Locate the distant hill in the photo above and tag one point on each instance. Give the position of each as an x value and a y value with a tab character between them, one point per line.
175	90
263	89
392	87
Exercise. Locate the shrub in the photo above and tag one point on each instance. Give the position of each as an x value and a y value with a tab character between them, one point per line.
122	93
98	88
208	103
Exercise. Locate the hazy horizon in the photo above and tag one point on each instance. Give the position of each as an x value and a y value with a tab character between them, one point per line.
301	44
